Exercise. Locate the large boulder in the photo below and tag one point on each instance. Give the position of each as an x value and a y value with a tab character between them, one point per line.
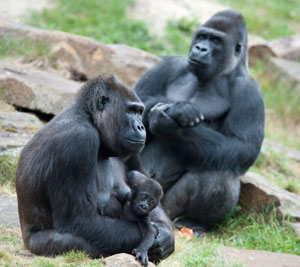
84	55
16	129
284	71
258	193
288	48
34	89
259	258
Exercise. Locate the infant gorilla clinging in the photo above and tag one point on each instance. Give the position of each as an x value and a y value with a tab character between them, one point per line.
146	195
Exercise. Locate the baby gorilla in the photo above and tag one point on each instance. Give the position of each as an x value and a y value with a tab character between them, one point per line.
146	195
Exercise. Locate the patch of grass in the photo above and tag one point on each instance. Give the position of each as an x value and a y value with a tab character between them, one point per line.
13	46
75	256
276	167
40	262
202	252
103	20
8	167
277	96
250	230
179	35
269	18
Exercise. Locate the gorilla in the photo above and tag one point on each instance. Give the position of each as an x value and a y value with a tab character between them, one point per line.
146	195
64	167
204	117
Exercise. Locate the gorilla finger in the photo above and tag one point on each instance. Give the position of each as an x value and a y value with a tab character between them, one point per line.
191	124
201	117
197	120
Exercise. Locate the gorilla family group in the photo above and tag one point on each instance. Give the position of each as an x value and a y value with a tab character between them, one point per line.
204	119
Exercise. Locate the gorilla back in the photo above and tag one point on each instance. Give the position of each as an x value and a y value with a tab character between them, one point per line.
204	117
61	169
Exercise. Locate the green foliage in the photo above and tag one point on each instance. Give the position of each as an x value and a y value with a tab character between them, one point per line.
40	262
100	19
13	46
8	167
269	18
179	35
250	230
284	101
75	256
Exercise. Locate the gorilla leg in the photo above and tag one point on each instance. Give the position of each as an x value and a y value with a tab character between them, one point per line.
51	243
202	198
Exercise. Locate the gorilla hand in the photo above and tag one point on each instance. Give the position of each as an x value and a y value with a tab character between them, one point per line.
159	120
163	244
186	114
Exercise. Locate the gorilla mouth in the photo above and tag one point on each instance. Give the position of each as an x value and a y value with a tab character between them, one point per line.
197	62
136	141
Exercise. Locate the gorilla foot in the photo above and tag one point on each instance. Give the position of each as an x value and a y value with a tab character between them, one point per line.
198	230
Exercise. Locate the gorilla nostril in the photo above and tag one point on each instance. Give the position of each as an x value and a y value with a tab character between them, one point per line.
203	49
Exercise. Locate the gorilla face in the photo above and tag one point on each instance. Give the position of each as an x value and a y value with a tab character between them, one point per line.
118	115
218	46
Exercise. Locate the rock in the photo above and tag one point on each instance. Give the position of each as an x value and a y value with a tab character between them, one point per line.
123	260
16	129
35	89
258	193
288	48
9	211
296	228
286	72
85	55
259	258
290	153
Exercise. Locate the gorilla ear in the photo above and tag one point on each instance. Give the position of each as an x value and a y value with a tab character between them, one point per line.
238	48
102	102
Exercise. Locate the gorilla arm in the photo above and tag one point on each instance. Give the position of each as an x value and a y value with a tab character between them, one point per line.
72	196
234	147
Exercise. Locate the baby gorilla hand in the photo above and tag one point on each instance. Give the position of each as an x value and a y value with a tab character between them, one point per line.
141	255
186	114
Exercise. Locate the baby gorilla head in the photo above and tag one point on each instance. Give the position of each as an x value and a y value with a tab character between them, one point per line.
146	193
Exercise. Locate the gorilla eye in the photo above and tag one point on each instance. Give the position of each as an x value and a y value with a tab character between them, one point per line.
216	40
102	102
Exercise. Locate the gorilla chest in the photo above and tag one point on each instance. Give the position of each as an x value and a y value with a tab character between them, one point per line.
212	98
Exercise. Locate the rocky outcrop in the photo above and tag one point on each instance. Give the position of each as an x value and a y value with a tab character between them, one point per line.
258	193
259	258
16	129
89	58
35	89
284	71
287	48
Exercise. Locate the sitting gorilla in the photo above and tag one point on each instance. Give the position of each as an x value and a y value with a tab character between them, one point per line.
205	123
62	169
146	195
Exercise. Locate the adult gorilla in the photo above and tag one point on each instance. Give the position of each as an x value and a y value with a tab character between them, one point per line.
205	121
63	169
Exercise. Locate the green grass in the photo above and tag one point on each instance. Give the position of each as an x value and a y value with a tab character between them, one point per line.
13	46
250	230
277	96
103	20
269	18
7	169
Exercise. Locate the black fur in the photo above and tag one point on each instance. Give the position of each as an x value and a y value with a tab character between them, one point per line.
146	195
63	171
204	117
